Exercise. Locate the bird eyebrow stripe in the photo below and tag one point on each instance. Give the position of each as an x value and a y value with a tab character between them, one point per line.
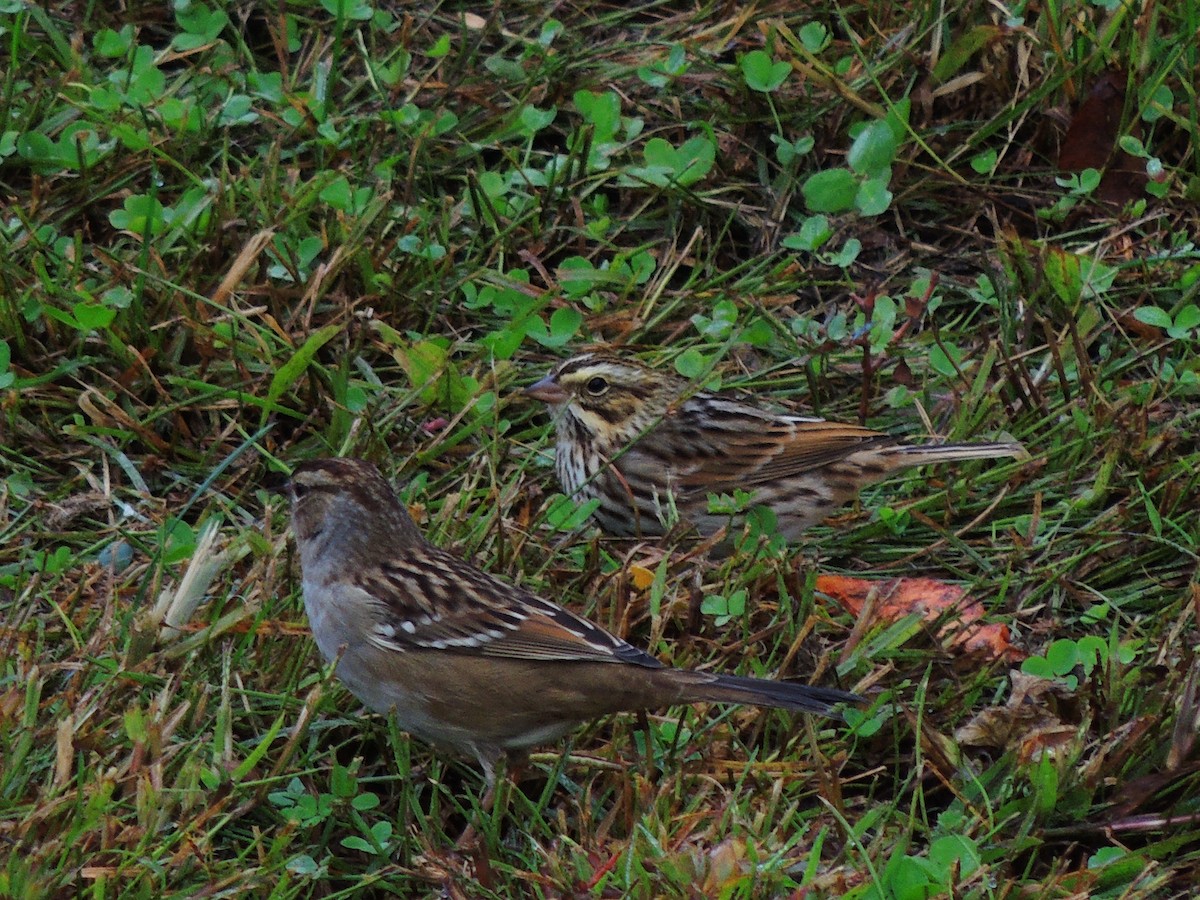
572	366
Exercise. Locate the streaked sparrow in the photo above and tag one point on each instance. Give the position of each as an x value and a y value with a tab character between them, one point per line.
463	659
633	438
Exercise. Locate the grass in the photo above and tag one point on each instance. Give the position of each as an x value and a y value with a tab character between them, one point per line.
235	238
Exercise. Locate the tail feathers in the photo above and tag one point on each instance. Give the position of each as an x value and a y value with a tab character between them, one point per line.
775	694
925	454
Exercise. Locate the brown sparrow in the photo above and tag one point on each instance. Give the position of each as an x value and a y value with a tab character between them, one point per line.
464	660
632	438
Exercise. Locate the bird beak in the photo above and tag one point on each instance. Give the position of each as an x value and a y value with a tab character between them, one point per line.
548	391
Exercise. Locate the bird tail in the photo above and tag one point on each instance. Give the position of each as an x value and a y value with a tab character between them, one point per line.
925	454
709	688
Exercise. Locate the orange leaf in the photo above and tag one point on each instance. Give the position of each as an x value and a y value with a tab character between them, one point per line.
929	599
641	577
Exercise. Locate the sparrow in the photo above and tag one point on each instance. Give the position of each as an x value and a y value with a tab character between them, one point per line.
464	660
637	441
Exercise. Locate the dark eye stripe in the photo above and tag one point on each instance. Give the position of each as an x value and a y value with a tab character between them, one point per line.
639	391
609	413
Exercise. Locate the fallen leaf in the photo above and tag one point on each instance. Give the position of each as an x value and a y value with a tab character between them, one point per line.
1091	142
726	868
641	577
1051	740
1095	126
930	599
1028	723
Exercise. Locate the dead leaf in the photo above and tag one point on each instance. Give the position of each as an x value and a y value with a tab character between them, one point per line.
1027	723
641	577
930	599
1091	142
726	867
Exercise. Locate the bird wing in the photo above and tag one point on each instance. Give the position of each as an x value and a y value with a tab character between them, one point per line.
440	602
744	447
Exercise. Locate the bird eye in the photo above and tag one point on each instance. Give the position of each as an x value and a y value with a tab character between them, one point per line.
597	386
297	488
